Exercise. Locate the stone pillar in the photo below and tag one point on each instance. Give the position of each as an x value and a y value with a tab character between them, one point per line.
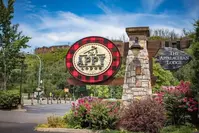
137	85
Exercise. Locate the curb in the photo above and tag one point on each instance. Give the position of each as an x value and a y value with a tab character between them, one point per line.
19	110
65	130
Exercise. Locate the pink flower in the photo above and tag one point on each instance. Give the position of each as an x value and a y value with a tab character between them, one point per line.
190	109
184	99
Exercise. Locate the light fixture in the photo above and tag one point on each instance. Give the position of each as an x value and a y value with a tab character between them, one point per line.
138	70
136	47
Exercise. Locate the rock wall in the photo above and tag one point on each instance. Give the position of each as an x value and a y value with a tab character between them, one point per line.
137	85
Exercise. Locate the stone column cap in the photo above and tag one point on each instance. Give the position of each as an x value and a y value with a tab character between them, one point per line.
138	31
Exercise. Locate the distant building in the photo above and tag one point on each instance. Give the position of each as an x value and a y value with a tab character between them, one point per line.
43	50
123	47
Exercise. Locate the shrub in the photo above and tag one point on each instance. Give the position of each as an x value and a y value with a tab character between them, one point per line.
92	113
144	115
104	115
71	121
178	129
178	103
9	99
117	131
56	122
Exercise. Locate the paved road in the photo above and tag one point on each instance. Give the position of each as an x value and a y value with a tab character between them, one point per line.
18	128
24	122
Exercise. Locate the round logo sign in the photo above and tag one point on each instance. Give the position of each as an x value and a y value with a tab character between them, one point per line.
93	59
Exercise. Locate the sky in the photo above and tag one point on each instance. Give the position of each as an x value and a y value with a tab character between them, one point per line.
59	22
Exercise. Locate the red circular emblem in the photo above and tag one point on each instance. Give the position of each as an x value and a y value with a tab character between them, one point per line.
93	59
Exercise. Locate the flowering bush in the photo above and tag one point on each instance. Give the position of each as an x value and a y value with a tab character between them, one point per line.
104	115
93	113
178	102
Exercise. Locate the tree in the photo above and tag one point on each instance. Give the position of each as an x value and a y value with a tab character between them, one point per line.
164	77
163	34
12	42
53	74
195	49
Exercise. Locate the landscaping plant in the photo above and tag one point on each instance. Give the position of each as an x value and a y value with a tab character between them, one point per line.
145	115
178	103
93	113
9	99
179	129
53	122
56	122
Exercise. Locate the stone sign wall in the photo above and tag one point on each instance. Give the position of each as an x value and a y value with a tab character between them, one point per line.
137	85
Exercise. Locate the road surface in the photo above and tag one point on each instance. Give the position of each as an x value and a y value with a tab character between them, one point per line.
25	122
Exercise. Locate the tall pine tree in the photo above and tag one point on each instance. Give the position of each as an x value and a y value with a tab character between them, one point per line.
11	42
195	48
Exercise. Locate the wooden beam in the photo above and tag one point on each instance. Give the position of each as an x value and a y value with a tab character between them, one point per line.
111	81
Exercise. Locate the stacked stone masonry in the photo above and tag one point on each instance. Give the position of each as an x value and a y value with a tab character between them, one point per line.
137	86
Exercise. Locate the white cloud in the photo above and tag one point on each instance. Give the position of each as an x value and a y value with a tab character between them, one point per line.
104	8
151	5
27	5
64	27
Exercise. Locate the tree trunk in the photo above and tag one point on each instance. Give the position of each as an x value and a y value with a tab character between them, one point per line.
51	99
32	99
47	100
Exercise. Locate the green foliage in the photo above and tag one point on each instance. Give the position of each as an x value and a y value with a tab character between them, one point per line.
104	115
105	91
121	71
12	42
53	122
175	114
58	93
101	91
42	126
164	77
9	99
56	122
179	129
53	73
195	48
185	73
72	121
196	26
